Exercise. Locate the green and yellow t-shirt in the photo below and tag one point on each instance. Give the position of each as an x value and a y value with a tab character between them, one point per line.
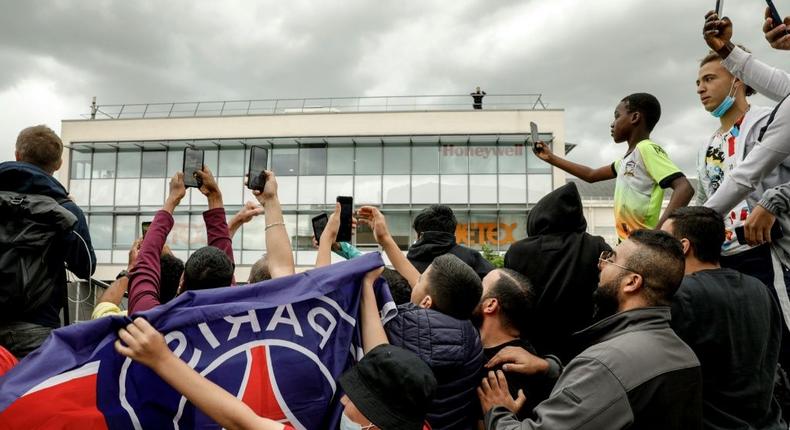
642	176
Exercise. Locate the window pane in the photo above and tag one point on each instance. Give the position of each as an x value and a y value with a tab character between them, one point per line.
254	235
513	189
397	159
127	192
210	159
175	162
453	159
197	232
425	189
285	161
286	190
512	227
231	162
179	235
482	159
368	160
125	231
100	227
535	164
538	186
312	161
129	164
479	227
340	161
512	159
367	190
338	186
482	189
154	164
152	192
79	191
396	189
102	192
311	189
80	164
454	188
103	165
232	190
425	159
304	234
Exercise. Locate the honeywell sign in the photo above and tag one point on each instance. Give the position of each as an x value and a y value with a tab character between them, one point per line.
483	152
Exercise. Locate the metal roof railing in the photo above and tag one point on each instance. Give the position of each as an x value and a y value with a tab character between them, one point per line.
315	105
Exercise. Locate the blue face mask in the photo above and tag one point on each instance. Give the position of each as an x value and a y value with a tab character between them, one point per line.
347	424
725	104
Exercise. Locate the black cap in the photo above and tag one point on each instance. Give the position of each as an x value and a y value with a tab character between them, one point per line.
392	387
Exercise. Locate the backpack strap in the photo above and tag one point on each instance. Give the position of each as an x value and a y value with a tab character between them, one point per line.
770	119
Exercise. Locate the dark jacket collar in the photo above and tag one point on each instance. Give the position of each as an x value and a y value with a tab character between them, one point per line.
640	319
431	245
27	178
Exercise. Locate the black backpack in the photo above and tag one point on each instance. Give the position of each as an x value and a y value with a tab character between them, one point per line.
31	228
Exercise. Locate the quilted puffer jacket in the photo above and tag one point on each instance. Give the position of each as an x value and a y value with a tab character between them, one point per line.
453	350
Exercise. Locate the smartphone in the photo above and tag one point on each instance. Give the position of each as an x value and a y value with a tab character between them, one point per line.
319	223
346	210
533	128
719	6
145	226
776	233
193	161
259	160
775	17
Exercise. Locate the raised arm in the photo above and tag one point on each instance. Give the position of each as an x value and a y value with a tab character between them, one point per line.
767	80
327	239
147	346
375	219
217	231
372	330
278	244
581	171
144	276
249	211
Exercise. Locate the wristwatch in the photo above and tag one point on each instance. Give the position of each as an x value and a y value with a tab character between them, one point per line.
121	274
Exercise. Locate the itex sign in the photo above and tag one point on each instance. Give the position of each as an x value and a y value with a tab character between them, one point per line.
490	233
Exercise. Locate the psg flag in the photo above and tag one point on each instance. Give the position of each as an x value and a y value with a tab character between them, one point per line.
279	346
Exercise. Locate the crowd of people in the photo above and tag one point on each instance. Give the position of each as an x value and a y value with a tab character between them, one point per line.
683	325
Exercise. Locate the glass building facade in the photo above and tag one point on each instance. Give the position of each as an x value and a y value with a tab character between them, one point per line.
489	180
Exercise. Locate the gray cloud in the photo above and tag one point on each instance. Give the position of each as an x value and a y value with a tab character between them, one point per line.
583	56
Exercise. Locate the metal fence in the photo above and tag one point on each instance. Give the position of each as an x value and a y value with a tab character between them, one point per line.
315	105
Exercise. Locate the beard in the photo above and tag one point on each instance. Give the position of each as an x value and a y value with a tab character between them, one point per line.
605	300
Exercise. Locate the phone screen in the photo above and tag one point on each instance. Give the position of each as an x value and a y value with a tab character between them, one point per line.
319	223
533	128
145	227
346	210
259	158
193	161
719	6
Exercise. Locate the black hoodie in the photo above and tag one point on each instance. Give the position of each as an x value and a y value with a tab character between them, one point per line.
26	178
561	260
435	243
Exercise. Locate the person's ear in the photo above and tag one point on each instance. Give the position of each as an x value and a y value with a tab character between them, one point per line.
17	155
490	306
426	302
58	165
686	246
636	116
631	283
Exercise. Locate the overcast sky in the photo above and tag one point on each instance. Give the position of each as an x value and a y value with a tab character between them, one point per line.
584	56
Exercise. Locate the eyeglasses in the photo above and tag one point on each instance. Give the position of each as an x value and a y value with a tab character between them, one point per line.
607	257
